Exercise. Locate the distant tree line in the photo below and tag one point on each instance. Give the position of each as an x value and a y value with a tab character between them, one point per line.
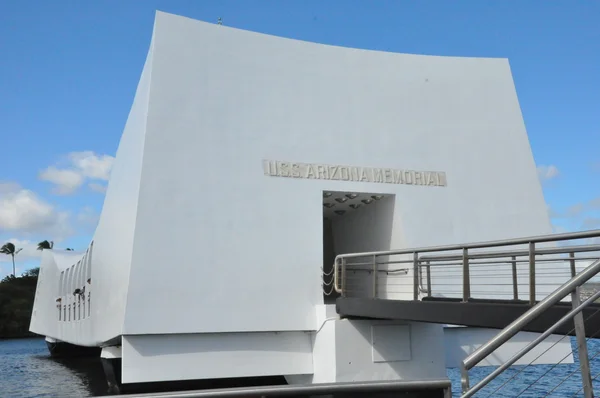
16	304
17	295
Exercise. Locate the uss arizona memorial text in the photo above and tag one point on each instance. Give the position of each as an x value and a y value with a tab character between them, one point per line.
352	173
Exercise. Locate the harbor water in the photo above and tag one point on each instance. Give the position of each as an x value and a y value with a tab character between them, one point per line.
27	371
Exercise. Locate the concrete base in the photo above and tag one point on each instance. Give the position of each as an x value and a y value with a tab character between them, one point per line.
341	351
60	349
371	350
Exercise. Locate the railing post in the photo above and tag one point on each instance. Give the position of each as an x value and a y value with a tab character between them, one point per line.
514	278
572	263
584	362
375	276
428	268
466	276
416	276
464	378
531	273
343	273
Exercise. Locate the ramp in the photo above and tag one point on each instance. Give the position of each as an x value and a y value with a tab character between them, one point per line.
490	314
485	284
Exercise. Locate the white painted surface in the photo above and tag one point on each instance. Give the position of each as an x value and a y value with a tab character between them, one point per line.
244	250
391	343
111	352
343	351
208	356
354	358
460	342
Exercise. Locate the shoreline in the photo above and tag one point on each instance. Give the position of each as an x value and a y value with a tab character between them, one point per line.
33	336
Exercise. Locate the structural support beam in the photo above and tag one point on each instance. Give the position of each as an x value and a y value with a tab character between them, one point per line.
584	361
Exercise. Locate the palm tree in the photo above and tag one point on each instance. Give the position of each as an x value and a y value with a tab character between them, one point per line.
45	245
10	249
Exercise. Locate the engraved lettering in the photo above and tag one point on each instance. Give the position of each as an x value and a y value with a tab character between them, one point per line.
322	172
429	178
344	173
377	175
418	178
285	169
388	176
398	177
363	175
333	172
353	173
295	170
442	179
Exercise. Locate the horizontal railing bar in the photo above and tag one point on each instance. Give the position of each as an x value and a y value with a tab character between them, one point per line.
568	316
483	351
480	245
518	253
508	262
370	263
310	389
491	262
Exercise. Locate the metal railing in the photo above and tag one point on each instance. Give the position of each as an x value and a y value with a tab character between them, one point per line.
518	269
367	387
571	287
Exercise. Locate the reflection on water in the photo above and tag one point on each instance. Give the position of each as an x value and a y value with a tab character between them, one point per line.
27	371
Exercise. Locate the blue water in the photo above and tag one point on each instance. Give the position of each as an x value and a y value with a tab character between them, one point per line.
27	371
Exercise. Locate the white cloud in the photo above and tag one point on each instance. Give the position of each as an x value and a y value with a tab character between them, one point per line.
94	186
91	165
23	212
66	181
79	167
546	173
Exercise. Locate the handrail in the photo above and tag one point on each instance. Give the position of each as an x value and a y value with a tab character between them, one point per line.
460	252
480	245
486	349
567	317
308	389
518	253
479	354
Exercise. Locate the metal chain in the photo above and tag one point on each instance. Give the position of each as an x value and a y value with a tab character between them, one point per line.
330	291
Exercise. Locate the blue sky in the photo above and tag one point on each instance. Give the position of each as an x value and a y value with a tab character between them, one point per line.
69	69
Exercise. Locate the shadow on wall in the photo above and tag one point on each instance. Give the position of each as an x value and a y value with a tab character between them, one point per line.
366	229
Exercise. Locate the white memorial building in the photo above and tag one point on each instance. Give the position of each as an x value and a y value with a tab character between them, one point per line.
247	163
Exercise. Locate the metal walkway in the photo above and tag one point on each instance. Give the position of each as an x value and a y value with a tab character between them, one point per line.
492	314
532	284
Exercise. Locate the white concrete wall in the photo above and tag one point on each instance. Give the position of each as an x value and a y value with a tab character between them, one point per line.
355	357
74	323
222	100
114	238
195	238
460	342
109	259
212	356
